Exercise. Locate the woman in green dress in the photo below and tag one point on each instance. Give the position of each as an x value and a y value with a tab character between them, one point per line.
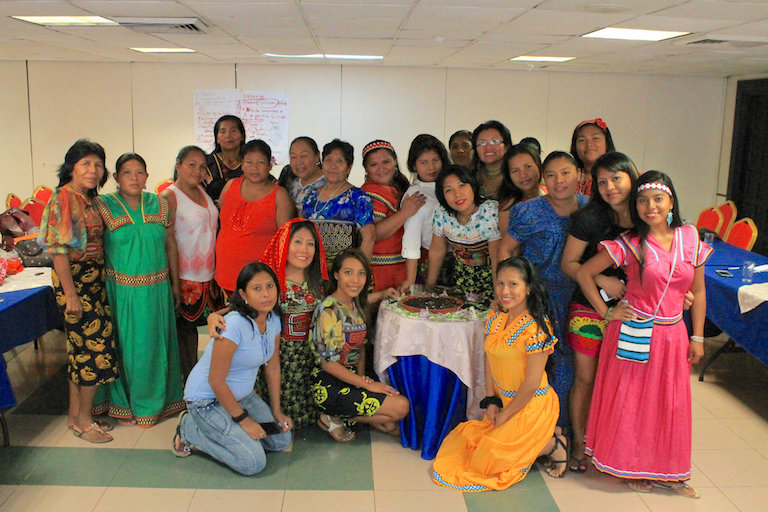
142	285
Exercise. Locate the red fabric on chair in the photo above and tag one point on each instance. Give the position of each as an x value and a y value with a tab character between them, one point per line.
710	218
742	234
43	193
34	208
162	186
729	211
12	201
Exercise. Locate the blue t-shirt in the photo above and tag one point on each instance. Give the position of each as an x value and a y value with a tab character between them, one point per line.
253	350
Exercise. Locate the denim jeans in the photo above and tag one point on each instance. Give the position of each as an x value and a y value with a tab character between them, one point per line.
210	429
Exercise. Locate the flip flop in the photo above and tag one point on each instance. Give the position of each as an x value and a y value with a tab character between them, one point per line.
679	488
333	429
92	434
185	450
578	465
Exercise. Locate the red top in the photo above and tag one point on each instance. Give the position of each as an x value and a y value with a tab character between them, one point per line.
386	202
246	229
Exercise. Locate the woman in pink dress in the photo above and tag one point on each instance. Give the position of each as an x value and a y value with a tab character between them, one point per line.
639	425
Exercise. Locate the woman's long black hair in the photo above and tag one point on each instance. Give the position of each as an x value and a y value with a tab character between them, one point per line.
312	272
508	190
597	208
79	150
333	284
243	278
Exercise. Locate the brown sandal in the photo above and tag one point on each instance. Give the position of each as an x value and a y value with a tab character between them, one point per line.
92	434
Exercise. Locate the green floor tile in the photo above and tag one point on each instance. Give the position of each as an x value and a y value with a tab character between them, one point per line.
214	475
530	494
317	460
157	468
77	466
17	463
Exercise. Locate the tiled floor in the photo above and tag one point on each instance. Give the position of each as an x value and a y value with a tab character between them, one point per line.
48	469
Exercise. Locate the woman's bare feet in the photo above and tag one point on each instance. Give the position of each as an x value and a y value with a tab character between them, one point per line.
557	459
335	428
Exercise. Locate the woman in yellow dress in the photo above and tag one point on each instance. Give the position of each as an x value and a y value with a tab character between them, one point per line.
521	407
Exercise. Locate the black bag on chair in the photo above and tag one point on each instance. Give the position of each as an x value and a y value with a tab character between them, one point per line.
30	252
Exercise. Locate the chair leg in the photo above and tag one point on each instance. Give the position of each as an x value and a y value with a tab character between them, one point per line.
729	347
4	426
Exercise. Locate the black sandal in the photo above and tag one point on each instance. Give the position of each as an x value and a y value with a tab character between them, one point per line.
185	450
551	464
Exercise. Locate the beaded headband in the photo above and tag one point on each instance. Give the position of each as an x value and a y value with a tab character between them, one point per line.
596	121
655	186
377	144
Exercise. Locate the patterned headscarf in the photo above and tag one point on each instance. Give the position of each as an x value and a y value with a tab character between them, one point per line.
276	253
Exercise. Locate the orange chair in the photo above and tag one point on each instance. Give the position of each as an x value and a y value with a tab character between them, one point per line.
43	193
162	186
710	218
742	234
12	201
34	208
729	211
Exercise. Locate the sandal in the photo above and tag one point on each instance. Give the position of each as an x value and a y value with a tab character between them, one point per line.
640	485
92	434
333	428
551	465
578	465
679	488
178	446
105	426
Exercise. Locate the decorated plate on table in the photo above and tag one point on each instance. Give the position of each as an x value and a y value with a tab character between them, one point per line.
432	303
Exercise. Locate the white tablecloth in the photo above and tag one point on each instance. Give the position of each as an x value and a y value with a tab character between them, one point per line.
752	295
30	277
453	344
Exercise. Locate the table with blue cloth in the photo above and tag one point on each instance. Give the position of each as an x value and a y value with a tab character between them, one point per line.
437	362
747	329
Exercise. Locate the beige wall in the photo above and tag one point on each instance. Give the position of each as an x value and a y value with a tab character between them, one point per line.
669	123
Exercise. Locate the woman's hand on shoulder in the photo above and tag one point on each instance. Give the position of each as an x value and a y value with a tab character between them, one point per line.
216	324
411	204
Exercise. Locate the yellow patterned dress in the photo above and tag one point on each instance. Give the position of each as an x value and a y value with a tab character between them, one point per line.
72	226
475	456
142	307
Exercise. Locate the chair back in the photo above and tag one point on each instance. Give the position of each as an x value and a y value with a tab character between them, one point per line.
729	211
742	234
710	218
35	209
163	185
43	193
12	201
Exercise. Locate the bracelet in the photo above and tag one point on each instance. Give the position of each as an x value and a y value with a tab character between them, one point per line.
238	419
490	400
608	314
697	339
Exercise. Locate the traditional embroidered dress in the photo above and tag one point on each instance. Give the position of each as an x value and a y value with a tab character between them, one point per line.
339	335
475	456
297	359
387	263
639	424
469	242
219	174
298	191
71	225
142	305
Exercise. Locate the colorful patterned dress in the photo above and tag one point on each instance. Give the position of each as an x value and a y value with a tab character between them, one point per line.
475	456
339	335
469	242
639	425
536	225
71	225
387	263
139	290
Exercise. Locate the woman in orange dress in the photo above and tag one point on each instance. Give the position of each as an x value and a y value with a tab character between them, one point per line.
521	407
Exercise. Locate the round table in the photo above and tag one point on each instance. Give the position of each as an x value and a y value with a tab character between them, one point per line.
438	363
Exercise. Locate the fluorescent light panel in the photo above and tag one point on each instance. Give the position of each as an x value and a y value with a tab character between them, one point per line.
324	56
164	50
67	21
634	34
541	58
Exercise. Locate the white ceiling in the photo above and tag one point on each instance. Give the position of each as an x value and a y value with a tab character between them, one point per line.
440	33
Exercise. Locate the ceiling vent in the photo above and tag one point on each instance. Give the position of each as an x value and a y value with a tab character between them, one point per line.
729	41
164	25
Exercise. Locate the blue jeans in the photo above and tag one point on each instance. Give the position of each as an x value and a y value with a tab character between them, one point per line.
210	429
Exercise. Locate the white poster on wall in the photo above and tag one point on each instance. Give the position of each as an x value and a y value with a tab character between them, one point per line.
264	114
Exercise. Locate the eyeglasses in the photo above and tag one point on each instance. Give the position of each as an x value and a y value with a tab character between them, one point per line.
492	142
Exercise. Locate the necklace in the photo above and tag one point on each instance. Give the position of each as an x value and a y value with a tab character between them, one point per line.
491	175
315	211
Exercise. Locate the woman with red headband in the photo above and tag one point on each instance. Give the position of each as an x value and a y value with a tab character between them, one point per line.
385	185
591	139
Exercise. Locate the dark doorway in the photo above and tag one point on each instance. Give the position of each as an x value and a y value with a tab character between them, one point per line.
748	179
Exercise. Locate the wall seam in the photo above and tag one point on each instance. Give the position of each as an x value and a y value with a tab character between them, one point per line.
29	117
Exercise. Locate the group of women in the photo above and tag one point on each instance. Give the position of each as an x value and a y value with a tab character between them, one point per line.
300	258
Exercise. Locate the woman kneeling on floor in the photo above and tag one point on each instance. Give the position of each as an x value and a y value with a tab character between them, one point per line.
227	419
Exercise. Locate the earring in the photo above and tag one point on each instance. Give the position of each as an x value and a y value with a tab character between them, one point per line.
669	218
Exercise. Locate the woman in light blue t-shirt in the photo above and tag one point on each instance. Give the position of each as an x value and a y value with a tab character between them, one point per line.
227	419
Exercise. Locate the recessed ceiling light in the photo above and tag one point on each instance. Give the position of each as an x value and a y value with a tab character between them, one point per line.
541	58
164	50
67	21
324	56
634	34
